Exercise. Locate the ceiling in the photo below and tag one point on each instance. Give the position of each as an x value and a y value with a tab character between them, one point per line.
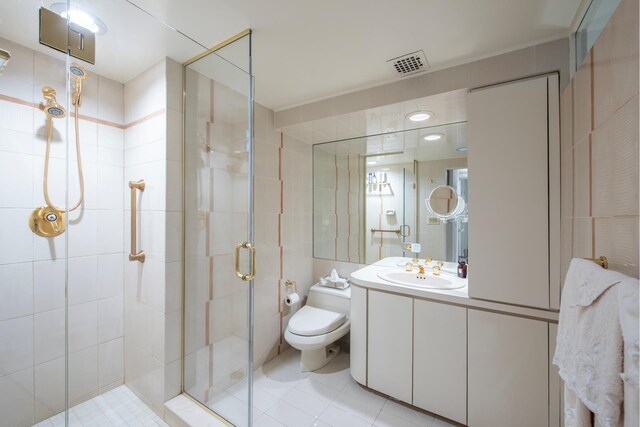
303	50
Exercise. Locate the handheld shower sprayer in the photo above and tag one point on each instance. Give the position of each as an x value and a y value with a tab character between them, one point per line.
79	74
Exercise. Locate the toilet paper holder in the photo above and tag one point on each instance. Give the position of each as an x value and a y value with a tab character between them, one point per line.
290	286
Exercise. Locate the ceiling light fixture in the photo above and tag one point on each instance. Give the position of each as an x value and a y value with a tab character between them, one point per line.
420	116
462	149
80	17
372	163
433	136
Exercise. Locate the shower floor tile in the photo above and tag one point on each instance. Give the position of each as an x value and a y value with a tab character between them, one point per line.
117	407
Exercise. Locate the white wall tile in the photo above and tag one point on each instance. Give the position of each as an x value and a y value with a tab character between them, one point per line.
111	362
49	284
83	326
111	137
16	398
110	100
21	238
110	318
110	231
16	169
16	288
49	388
16	117
110	187
83	375
48	335
16	344
83	279
110	275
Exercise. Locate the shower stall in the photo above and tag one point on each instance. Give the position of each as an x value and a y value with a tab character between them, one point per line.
126	216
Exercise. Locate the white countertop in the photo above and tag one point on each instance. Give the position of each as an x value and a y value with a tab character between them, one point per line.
367	277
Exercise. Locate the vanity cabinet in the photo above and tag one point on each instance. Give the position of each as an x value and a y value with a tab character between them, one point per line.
508	363
358	337
440	359
514	201
390	344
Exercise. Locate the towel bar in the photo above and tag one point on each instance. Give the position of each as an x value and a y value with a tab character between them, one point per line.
601	261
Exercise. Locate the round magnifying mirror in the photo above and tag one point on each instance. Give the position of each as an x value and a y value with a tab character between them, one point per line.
443	201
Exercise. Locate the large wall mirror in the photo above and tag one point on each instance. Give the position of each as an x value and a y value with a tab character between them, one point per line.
374	194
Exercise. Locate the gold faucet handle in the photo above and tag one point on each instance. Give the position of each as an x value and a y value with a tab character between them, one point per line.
409	266
436	270
420	269
439	264
427	260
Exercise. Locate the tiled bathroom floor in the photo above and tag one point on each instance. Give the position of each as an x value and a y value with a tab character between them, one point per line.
283	396
117	407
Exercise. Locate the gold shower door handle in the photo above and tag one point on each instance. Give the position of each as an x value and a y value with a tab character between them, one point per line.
242	276
135	255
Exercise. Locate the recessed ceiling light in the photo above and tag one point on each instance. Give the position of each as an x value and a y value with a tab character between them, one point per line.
80	17
462	149
420	116
372	163
384	169
433	136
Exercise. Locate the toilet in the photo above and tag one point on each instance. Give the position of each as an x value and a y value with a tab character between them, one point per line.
316	327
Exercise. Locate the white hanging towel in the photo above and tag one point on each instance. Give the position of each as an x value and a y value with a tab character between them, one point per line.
629	307
589	345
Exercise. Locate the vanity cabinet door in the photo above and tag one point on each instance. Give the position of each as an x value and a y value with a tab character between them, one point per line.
390	349
440	359
509	193
358	340
508	378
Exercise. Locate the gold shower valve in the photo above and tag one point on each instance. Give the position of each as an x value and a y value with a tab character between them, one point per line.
46	221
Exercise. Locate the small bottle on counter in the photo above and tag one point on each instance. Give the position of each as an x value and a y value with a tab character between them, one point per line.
462	269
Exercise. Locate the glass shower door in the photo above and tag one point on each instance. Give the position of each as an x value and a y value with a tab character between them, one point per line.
219	256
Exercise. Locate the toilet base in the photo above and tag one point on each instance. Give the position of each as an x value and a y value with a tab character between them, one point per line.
312	360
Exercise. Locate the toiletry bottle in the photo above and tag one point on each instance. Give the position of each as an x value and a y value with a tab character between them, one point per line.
461	269
464	270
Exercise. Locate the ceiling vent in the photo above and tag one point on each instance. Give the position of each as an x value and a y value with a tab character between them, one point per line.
411	63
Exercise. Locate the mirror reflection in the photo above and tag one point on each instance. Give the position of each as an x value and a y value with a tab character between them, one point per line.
376	193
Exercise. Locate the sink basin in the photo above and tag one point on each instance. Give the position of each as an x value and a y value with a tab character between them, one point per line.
413	278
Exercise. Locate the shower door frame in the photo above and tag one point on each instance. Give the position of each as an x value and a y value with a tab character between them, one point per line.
250	220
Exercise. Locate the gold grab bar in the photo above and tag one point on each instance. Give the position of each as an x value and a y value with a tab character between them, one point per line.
242	276
380	230
601	261
135	255
397	230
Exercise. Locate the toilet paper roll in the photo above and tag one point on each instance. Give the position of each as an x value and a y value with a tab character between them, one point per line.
292	299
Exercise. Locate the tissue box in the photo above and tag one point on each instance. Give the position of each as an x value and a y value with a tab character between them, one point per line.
340	284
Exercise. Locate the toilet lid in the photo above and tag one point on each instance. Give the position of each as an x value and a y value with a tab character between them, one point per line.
310	321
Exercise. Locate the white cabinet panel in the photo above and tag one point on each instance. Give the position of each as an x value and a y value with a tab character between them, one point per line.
358	340
390	346
508	377
440	359
508	193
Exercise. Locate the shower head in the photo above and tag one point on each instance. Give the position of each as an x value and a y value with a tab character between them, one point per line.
52	108
79	73
4	59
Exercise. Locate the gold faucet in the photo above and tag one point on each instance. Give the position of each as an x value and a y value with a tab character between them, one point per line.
420	269
436	268
427	261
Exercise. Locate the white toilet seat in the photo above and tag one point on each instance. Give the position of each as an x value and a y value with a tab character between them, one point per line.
314	342
311	321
